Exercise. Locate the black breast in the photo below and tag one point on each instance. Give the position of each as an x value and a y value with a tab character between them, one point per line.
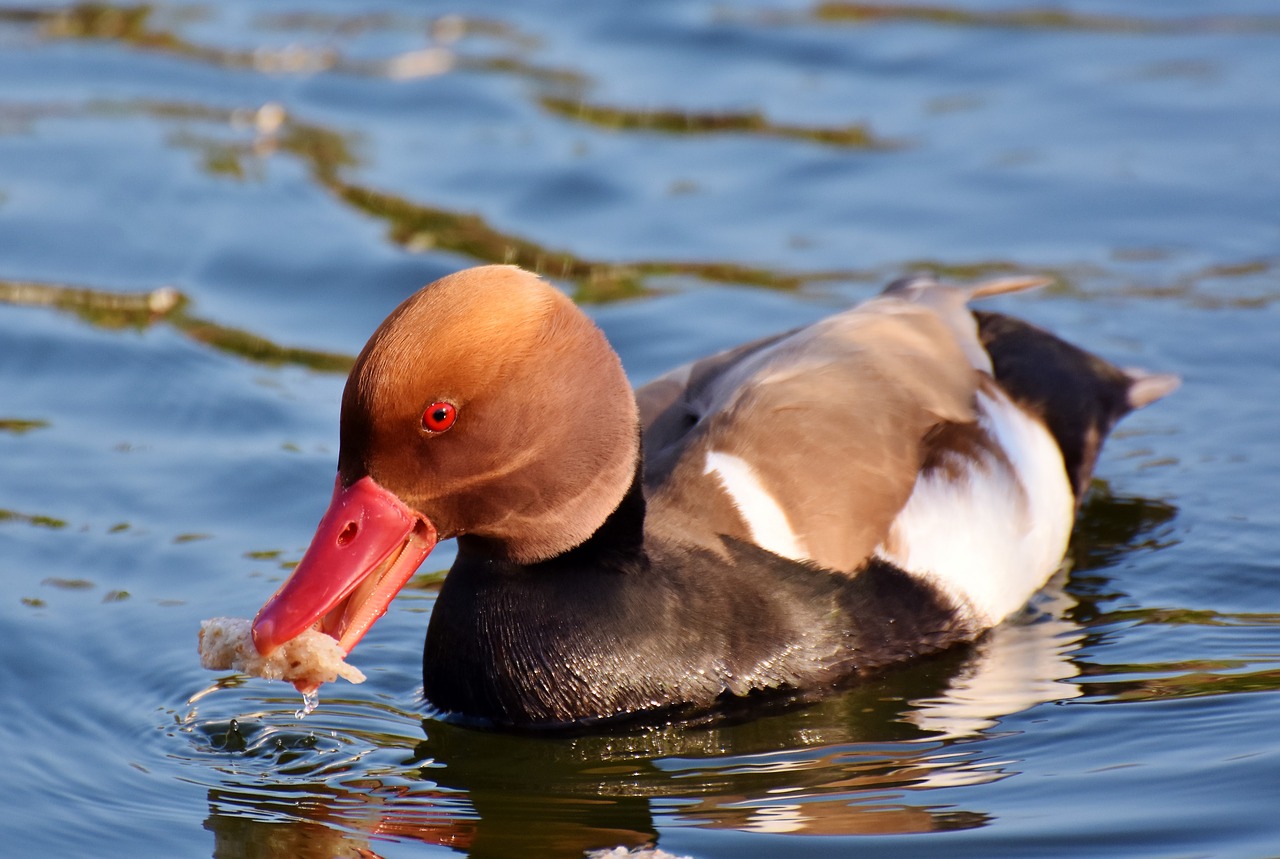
672	629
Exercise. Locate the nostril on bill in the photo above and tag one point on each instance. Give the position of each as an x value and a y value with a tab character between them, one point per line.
348	533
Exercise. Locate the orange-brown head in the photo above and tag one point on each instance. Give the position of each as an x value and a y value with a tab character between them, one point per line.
488	405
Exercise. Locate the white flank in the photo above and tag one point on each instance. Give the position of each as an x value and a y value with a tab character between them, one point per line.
770	529
994	536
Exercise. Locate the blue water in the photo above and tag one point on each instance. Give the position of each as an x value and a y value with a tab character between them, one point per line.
696	174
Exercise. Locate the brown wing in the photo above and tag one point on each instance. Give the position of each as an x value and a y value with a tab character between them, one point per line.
817	433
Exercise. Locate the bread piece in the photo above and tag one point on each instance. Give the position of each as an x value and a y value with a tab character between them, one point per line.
306	661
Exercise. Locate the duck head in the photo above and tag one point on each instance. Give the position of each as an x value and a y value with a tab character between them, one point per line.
486	406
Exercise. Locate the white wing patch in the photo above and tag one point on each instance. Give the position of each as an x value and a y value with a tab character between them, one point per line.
766	520
992	536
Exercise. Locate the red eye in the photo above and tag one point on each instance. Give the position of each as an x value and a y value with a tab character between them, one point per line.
439	417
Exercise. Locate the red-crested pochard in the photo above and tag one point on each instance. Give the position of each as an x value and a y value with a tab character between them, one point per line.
808	509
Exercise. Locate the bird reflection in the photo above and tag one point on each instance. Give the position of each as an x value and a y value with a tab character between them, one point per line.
860	762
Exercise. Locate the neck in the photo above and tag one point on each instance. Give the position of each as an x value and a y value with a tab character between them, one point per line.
617	543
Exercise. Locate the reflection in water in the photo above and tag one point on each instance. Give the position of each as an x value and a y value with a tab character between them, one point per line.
20	426
137	310
1109	527
324	823
422	227
1060	20
1029	661
1014	667
686	122
418	226
860	762
155	30
330	157
503	795
99	307
37	519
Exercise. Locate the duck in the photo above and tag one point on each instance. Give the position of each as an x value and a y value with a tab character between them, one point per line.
784	518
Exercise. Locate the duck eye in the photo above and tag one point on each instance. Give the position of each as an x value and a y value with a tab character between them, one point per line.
439	417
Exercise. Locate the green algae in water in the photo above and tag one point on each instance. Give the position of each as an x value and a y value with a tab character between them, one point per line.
36	519
18	426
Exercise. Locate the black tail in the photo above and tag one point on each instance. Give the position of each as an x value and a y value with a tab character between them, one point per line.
1079	396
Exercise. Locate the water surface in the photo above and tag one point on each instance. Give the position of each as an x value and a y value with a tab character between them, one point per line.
206	208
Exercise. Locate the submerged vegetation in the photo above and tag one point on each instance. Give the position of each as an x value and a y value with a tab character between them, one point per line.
138	310
1033	18
39	520
857	136
18	426
330	157
236	144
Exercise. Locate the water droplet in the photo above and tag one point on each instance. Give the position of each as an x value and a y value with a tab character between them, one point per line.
310	700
